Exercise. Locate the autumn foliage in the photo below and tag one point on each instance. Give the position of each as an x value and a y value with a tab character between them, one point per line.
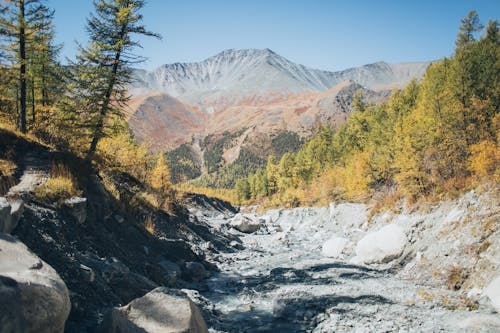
434	138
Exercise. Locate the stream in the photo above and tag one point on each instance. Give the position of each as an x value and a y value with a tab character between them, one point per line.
280	282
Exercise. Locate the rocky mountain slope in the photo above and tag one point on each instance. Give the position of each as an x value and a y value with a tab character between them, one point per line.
100	248
253	76
256	92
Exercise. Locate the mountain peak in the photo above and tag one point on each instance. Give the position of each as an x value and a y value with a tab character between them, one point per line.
237	75
242	53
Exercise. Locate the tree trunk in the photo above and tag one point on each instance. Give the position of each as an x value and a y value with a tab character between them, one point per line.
33	100
22	71
104	108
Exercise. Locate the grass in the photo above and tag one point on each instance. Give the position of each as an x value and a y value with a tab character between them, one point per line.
149	225
60	186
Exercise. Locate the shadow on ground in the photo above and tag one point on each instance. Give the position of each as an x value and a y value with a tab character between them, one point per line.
292	313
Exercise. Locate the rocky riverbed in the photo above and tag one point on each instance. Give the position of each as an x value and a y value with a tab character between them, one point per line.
286	278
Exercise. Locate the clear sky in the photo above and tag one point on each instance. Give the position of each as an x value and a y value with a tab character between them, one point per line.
323	34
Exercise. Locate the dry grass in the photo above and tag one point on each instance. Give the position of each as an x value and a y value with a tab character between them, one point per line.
456	277
7	168
149	225
388	201
60	186
223	194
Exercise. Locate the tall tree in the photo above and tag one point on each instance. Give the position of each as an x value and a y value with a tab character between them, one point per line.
20	22
103	67
470	25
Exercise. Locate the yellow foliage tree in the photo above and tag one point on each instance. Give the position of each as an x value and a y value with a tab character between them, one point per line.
160	179
484	160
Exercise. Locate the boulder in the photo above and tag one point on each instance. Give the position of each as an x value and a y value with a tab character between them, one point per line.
493	293
334	247
381	246
160	310
77	208
10	213
33	296
4	214
194	271
245	223
171	271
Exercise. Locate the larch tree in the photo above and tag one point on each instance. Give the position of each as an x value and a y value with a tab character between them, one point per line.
470	25
21	21
103	68
160	178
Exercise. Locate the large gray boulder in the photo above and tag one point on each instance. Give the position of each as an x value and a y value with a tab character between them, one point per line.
10	213
33	297
161	310
245	223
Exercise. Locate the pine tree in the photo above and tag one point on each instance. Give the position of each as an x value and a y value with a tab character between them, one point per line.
103	67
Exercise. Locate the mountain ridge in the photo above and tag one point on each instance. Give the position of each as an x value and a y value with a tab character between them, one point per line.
234	76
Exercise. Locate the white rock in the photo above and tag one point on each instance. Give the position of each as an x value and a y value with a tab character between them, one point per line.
334	247
381	246
493	293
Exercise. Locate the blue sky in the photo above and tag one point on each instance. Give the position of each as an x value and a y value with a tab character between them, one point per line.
323	34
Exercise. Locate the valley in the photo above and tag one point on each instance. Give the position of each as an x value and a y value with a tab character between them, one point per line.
247	192
256	93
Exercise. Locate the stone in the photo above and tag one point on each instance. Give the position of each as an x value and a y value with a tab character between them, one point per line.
381	246
493	293
10	214
245	223
88	273
10	320
170	271
118	218
34	297
334	247
160	310
77	208
4	214
194	271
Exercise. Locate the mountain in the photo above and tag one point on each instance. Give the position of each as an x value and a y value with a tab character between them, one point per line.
248	104
235	77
